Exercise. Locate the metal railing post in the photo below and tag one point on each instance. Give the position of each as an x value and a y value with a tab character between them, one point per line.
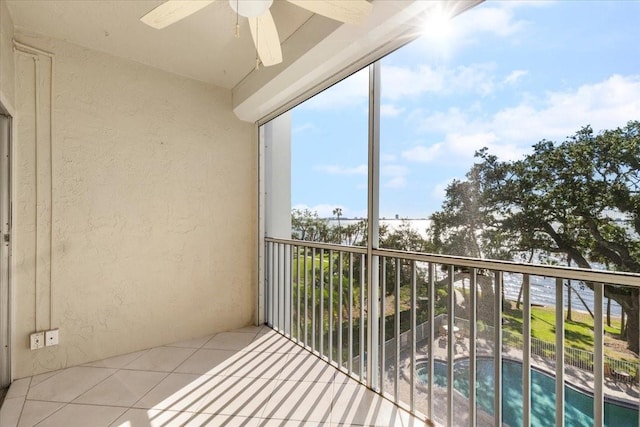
598	356
497	342
559	353
526	350
473	291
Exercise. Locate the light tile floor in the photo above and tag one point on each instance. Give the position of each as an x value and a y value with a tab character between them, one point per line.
249	377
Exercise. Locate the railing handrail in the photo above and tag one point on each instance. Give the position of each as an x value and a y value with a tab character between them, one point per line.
318	245
573	273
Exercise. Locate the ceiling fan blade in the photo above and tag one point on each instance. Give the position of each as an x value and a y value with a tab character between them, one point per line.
265	37
172	11
348	11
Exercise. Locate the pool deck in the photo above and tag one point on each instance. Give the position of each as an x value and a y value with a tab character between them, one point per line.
628	393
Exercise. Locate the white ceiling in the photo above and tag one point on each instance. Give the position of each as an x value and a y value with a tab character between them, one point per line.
317	51
201	46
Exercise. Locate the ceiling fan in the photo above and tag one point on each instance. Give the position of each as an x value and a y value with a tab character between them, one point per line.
263	29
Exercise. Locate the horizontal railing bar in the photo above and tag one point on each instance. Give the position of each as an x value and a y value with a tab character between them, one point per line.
573	273
600	276
318	245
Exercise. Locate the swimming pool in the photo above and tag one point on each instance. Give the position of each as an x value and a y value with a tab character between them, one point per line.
578	405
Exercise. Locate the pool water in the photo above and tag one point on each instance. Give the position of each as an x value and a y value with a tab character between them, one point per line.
578	405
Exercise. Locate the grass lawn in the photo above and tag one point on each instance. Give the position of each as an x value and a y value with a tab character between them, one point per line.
578	331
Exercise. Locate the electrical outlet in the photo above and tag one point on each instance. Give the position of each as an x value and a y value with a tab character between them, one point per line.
37	340
51	337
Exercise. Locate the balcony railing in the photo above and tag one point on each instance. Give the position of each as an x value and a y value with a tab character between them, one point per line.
443	322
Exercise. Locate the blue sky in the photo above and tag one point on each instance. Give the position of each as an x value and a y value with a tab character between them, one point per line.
503	75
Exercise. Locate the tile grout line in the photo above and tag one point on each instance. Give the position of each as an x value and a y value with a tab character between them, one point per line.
277	378
235	352
275	385
171	372
24	401
196	349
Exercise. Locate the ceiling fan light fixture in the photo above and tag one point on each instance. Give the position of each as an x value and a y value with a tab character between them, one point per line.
250	8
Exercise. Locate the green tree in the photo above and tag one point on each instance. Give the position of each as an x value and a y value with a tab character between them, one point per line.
307	225
579	198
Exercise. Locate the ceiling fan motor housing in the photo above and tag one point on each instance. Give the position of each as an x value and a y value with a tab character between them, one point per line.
250	8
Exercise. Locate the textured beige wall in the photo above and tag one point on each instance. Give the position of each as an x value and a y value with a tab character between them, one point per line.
142	228
6	57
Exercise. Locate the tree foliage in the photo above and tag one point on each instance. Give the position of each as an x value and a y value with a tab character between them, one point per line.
579	198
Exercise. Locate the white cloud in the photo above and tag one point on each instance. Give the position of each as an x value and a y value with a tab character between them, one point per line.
401	82
396	182
603	105
390	110
464	146
395	175
440	121
511	131
422	154
388	158
514	76
496	20
341	170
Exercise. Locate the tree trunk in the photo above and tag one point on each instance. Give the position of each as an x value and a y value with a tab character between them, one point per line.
586	306
519	301
609	312
633	332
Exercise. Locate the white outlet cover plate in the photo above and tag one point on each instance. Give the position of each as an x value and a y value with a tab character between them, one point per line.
37	340
51	337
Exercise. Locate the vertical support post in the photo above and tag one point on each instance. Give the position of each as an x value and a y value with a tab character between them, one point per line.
382	324
559	353
268	291
526	350
362	344
350	361
373	214
280	286
272	284
451	312
290	302
306	297
397	331
340	305
321	320
298	292
275	191
598	356
431	295
473	319
313	299
330	352
412	399
497	358
261	303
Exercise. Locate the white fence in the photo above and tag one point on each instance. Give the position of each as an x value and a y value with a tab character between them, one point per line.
581	359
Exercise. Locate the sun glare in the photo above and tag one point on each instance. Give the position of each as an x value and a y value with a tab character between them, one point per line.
437	25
